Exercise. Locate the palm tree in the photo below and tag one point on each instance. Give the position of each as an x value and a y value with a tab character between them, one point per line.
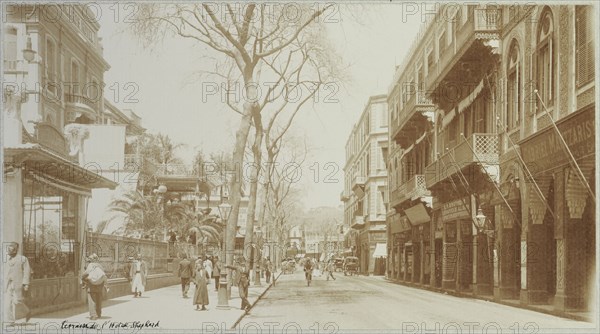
149	214
167	149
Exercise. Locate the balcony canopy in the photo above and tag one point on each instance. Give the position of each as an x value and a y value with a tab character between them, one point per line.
50	166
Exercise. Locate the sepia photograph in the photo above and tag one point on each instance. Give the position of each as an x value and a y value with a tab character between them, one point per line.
299	167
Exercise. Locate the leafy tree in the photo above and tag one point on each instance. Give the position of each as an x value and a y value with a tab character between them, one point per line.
259	44
148	214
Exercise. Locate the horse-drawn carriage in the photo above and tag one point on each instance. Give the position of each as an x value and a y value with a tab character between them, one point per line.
339	264
350	265
288	266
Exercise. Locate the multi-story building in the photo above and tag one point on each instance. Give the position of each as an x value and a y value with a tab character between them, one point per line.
509	153
411	116
365	177
53	79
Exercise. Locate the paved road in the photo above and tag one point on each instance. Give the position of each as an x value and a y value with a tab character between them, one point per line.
369	303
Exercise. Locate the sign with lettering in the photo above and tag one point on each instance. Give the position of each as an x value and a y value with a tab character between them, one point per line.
545	150
458	209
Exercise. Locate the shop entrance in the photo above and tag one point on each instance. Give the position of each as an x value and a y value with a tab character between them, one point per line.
589	252
438	262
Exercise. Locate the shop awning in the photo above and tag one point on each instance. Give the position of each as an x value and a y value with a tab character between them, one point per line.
51	167
464	103
380	250
448	118
417	214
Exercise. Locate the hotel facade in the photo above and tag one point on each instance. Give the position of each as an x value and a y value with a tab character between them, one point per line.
492	157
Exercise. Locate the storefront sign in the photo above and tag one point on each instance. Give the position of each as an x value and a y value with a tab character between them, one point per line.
545	150
399	224
417	214
458	209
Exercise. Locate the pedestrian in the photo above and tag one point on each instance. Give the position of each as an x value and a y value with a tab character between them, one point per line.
208	265
243	281
127	268
268	269
94	279
217	272
185	273
16	285
139	272
201	294
330	269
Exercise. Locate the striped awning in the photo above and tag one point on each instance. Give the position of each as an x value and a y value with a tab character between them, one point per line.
380	250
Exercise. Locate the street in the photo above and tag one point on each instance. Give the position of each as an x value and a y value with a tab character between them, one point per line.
360	302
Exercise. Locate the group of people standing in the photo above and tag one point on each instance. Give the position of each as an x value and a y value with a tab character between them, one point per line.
204	268
200	273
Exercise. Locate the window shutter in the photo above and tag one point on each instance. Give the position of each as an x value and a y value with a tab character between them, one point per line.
584	45
551	70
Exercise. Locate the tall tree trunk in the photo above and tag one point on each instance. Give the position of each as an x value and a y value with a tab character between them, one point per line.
235	192
264	192
257	153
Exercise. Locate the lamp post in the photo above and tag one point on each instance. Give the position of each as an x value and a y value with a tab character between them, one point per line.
160	193
224	210
258	257
13	99
481	276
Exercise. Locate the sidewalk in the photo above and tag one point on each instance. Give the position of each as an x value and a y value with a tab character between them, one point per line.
547	309
161	308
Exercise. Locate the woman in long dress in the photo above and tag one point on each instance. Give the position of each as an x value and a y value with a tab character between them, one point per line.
208	265
201	293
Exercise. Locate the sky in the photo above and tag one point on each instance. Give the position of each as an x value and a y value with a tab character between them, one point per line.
162	85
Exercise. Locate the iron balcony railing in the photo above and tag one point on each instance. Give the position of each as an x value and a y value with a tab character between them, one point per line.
484	23
75	98
416	187
175	170
478	148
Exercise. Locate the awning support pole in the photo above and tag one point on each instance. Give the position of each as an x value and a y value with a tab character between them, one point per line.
572	160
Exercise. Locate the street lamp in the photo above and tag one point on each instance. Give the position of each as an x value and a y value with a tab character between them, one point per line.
258	257
28	52
480	219
224	210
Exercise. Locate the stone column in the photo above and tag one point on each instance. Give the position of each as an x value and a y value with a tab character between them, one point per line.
450	256
533	256
570	279
507	247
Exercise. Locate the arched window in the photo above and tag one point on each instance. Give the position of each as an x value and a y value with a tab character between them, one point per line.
51	60
544	74
513	88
